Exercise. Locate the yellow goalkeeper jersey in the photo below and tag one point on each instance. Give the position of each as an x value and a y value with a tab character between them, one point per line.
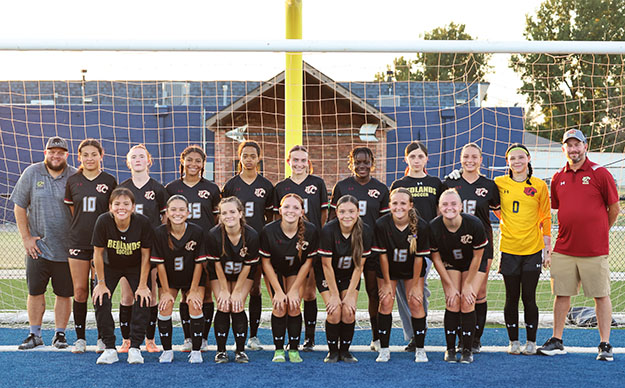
525	215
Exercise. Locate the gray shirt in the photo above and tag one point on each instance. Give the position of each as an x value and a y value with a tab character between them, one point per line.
48	217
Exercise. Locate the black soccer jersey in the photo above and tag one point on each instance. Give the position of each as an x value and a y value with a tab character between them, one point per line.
395	244
456	249
256	198
235	256
283	251
478	198
150	200
372	198
203	199
312	190
425	193
90	198
181	260
123	248
333	244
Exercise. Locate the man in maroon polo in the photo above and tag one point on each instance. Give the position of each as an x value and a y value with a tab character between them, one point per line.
585	196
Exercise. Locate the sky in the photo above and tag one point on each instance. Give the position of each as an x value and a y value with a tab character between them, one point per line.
239	20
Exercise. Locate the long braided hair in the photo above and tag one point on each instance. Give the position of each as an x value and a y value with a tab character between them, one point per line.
176	197
242	222
412	216
301	228
356	236
186	152
520	146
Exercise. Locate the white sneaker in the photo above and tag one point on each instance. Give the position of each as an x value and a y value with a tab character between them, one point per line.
384	356
195	357
109	356
375	345
80	346
420	356
134	356
100	347
254	344
187	346
166	357
514	347
204	347
530	348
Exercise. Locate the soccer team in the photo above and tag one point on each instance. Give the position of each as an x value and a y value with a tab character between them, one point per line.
212	246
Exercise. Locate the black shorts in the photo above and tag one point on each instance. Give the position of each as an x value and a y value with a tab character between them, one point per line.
463	266
515	265
40	271
488	250
81	254
402	271
373	262
212	274
182	283
320	279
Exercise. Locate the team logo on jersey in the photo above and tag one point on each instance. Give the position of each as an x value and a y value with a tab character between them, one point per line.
324	284
243	252
102	188
530	191
74	252
466	239
585	180
260	192
311	189
481	192
190	245
39	184
149	195
204	194
302	246
374	193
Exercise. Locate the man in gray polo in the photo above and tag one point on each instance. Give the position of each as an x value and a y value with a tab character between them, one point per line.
43	221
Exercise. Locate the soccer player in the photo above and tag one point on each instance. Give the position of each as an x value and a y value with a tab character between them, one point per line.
256	194
203	196
344	246
479	196
150	197
232	248
287	247
87	194
312	189
126	237
425	190
179	254
372	202
402	240
525	243
457	243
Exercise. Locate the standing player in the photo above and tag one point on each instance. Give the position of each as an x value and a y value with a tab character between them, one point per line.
150	197
457	243
372	202
203	196
87	195
479	195
402	241
312	189
525	243
344	244
425	190
288	247
256	194
232	248
127	238
178	254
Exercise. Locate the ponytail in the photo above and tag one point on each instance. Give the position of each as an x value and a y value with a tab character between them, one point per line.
414	232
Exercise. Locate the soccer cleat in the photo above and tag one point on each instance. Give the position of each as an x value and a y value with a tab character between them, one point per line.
384	355
331	357
31	342
346	356
125	346
241	358
605	352
187	345
195	357
552	347
253	343
80	346
109	356
294	357
100	347
150	346
278	356
477	347
530	348
412	345
450	355
221	357
375	345
309	345
134	356
59	341
466	357
514	347
166	357
204	346
420	356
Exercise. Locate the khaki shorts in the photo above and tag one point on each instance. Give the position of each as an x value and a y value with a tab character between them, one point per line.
567	272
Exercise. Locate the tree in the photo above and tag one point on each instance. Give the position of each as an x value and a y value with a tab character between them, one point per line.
455	67
576	91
